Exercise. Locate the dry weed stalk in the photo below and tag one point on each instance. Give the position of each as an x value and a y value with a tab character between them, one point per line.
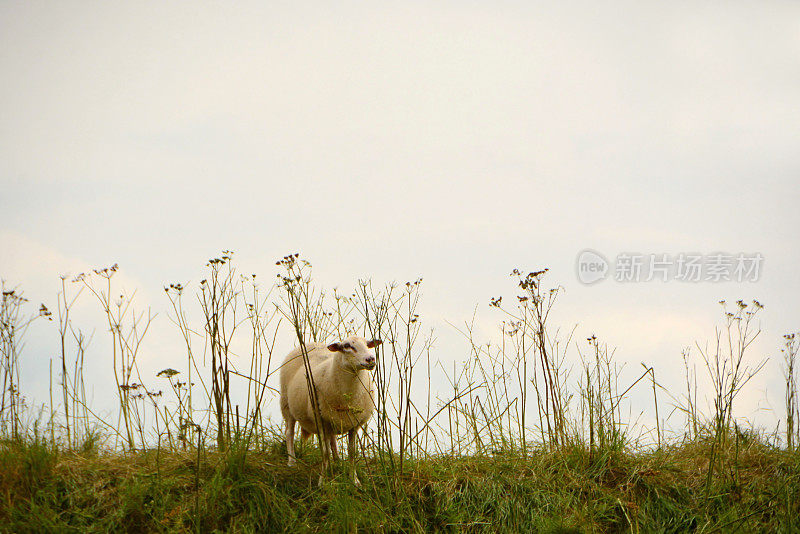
127	330
791	347
14	324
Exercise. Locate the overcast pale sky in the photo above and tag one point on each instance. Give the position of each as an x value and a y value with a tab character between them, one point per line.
449	140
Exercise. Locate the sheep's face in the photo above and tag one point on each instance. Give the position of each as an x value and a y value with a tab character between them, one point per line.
356	351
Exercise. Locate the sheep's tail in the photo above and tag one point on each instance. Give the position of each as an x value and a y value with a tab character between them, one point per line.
304	434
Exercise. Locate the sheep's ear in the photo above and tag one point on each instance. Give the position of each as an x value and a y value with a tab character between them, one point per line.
335	347
374	343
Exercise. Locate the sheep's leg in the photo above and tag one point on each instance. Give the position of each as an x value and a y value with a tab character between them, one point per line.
326	451
334	447
351	454
290	439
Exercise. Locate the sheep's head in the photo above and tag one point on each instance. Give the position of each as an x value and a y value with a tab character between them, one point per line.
356	351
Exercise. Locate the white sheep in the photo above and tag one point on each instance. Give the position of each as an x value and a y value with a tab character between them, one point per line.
344	391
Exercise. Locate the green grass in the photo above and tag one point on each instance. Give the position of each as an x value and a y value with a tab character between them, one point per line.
254	491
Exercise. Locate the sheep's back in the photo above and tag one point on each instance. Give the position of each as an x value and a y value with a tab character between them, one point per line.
293	364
